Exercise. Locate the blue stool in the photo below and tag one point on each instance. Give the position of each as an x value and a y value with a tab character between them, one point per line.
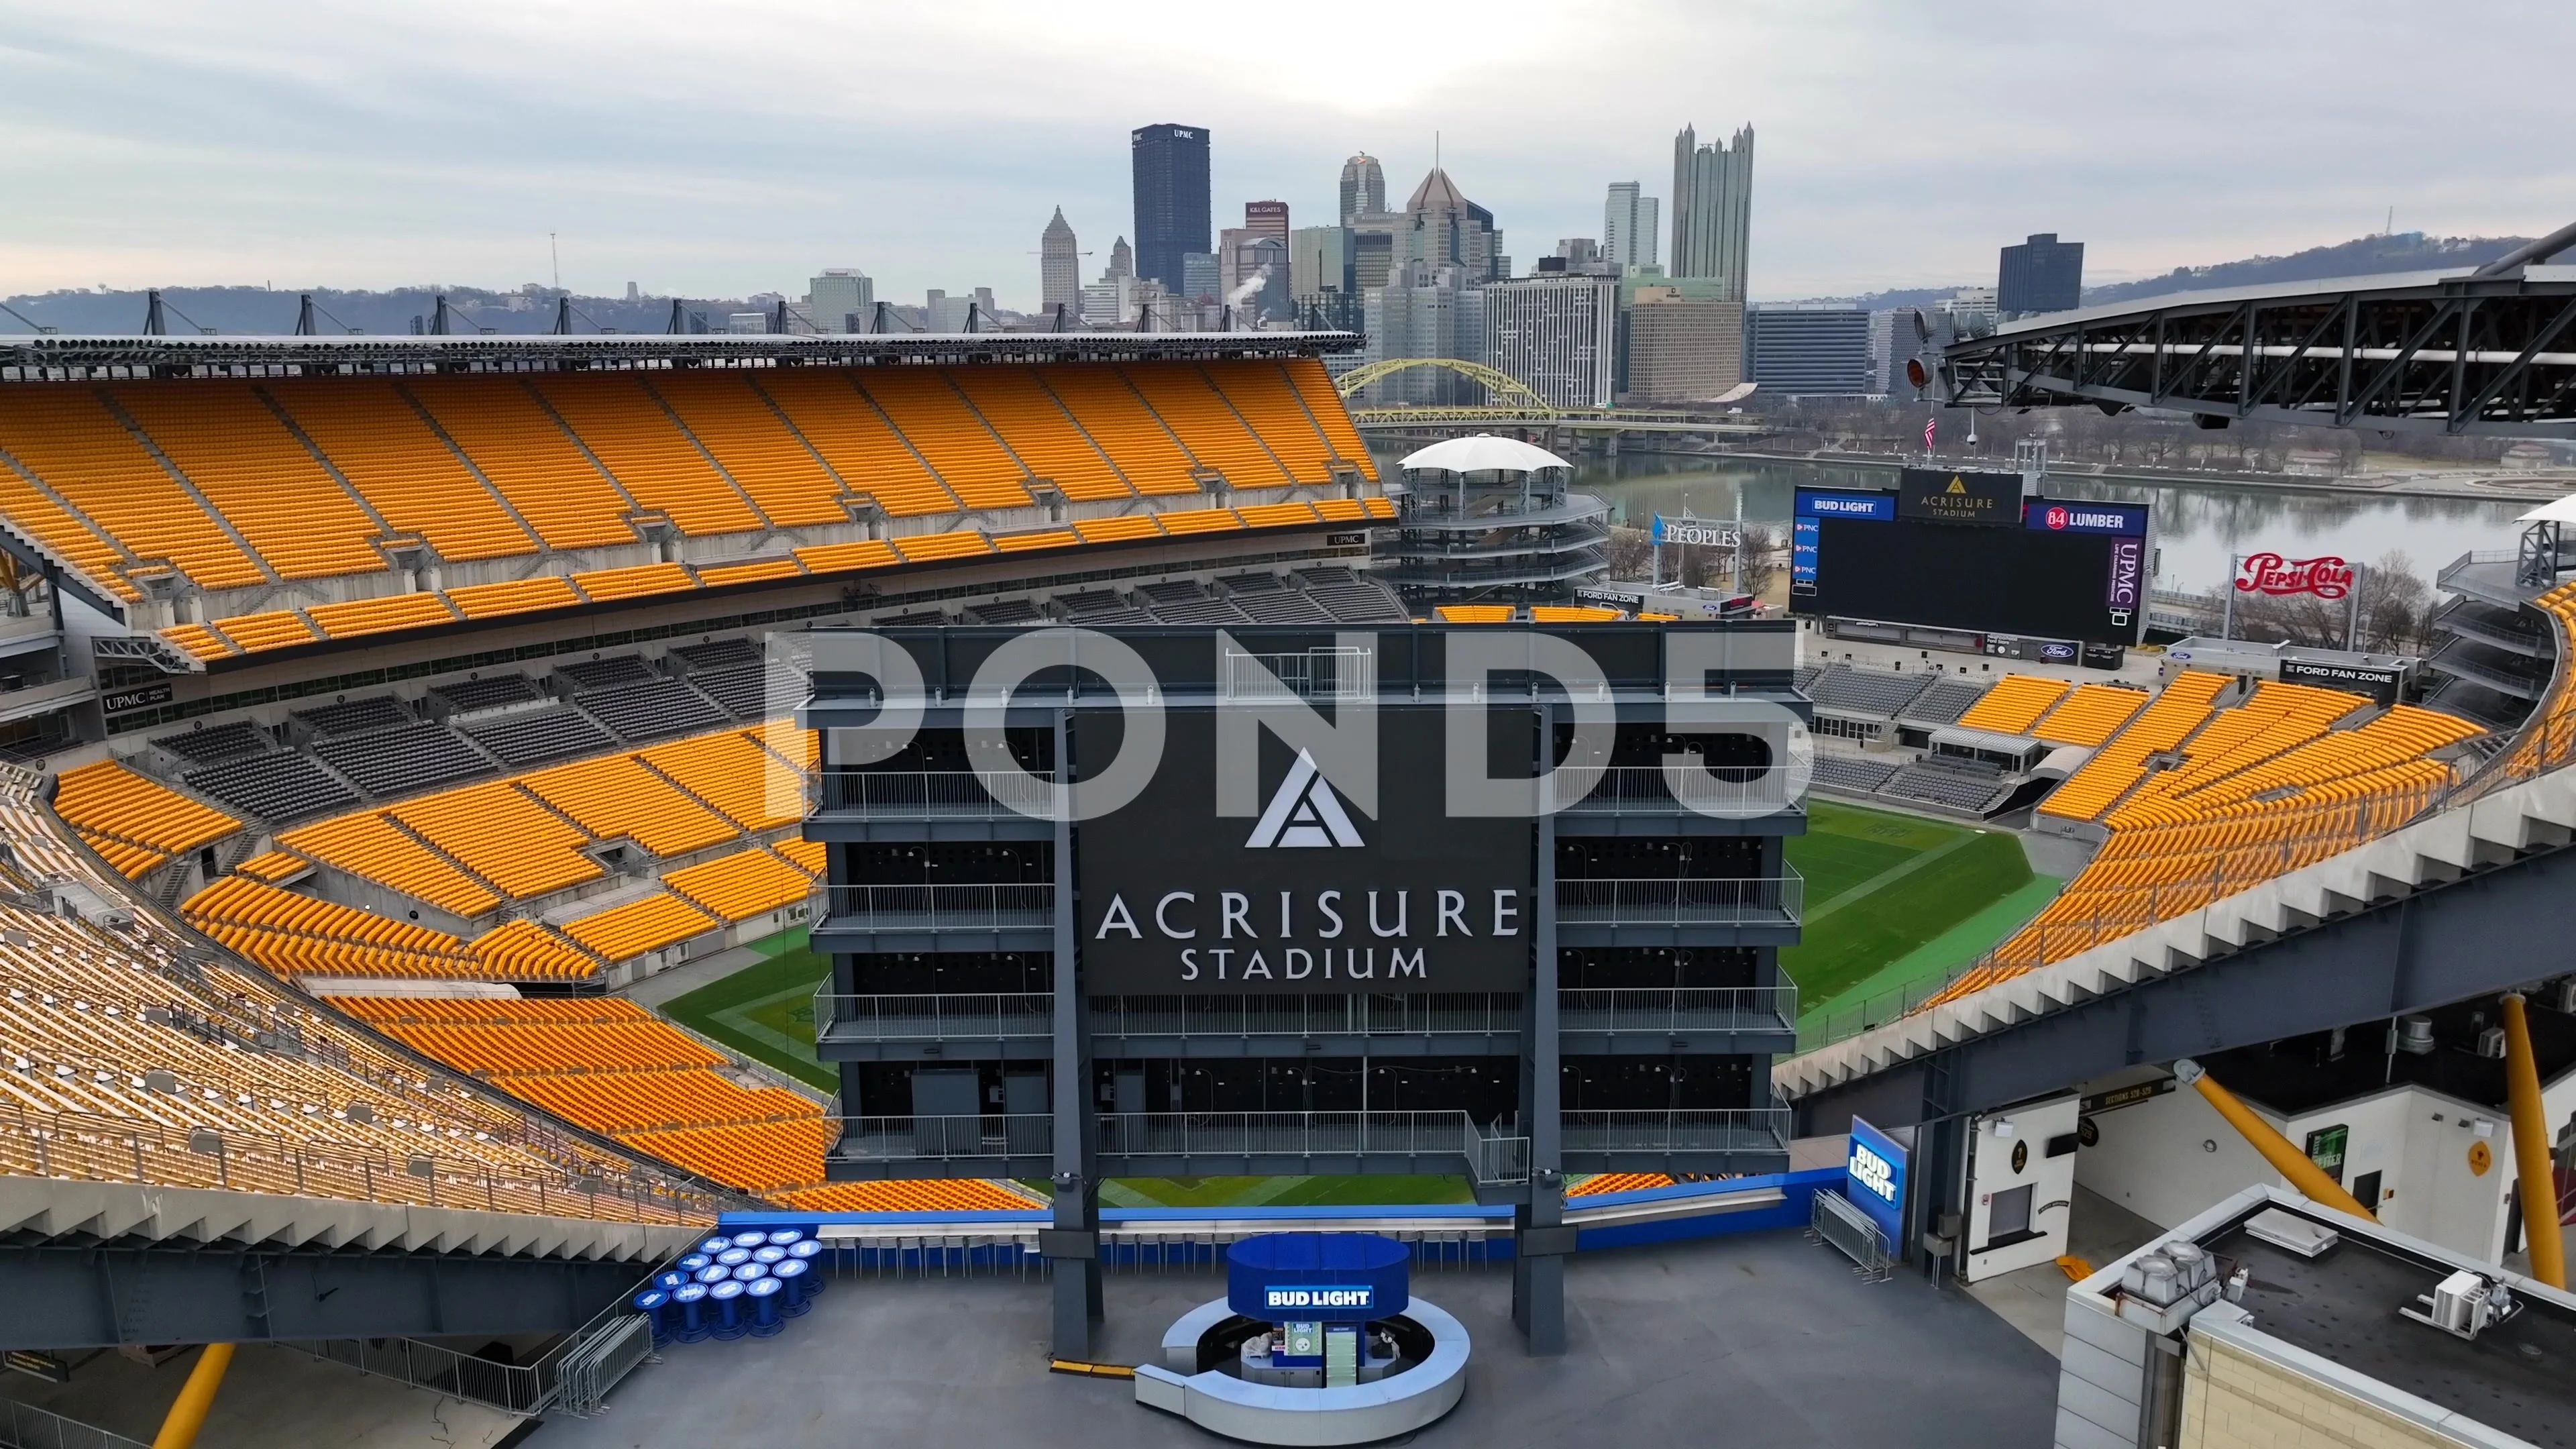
727	1297
765	1317
751	1239
783	1236
670	1279
793	1279
751	1272
713	1273
734	1257
715	1245
651	1303
773	1255
691	1300
694	1261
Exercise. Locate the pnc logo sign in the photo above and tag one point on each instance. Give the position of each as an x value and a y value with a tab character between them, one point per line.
1303	813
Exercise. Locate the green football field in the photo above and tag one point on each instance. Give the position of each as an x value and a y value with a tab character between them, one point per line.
1890	900
1893	898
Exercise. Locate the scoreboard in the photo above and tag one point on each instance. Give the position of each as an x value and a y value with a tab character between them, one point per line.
1967	551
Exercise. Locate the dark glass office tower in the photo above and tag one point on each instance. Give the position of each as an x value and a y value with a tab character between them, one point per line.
2042	274
1171	199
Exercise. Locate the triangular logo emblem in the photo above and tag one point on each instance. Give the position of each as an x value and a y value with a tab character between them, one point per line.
1956	487
1302	812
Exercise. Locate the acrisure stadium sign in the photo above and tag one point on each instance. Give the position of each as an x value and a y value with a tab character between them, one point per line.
1331	887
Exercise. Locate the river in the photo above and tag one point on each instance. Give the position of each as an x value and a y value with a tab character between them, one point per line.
2199	526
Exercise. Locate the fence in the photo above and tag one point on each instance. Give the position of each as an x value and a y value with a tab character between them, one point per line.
1438	1135
24	1426
913	1139
1712	790
931	1018
92	1148
1839	1225
1730	901
960	793
953	907
1321	673
1714	1129
1463	1012
1725	1008
575	1374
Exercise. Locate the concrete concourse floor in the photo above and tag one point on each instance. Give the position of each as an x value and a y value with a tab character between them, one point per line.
1759	1339
2033	1299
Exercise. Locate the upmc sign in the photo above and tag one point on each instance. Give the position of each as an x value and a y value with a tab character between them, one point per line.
1335	886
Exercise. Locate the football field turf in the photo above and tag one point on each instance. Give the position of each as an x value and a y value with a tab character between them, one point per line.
765	1010
1880	886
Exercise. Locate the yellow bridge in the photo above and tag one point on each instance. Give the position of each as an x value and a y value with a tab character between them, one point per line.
1513	404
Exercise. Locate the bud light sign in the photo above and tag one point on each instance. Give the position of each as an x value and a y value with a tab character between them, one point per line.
1300	1300
1874	1180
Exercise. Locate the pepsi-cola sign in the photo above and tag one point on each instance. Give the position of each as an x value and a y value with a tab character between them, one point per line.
2326	576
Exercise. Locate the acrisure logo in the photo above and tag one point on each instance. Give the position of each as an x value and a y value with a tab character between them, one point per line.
1303	813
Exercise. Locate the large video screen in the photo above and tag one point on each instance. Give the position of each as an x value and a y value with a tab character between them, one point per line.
2070	570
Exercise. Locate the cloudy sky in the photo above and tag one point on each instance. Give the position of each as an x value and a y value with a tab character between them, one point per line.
718	147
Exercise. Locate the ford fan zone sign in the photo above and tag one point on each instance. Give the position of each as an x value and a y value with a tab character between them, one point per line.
2326	576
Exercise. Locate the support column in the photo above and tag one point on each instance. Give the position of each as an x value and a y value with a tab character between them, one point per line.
1072	1239
2531	1160
1540	1239
188	1414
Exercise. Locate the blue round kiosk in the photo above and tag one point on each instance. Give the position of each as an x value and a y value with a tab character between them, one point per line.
1317	1341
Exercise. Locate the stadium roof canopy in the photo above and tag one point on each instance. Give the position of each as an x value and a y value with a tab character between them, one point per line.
55	357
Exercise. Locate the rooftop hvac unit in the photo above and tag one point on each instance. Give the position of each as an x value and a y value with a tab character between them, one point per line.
2415	1035
2465	1304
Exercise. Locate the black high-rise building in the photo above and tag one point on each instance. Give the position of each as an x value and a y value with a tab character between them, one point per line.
2043	274
1171	199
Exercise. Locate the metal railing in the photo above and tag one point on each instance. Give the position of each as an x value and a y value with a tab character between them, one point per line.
939	907
1725	901
1321	673
1833	1221
1437	1135
918	1139
960	794
24	1426
1465	1012
573	1375
1678	1009
1708	1129
94	1148
1649	790
931	1018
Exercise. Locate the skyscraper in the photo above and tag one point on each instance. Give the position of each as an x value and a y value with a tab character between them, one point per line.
1712	208
1171	167
1122	261
841	300
2043	274
1558	335
1059	266
1363	186
1628	226
1444	229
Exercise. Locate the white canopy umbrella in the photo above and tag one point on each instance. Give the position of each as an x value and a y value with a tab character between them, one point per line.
1484	453
2562	511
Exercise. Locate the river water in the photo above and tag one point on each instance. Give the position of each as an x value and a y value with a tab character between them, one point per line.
2198	526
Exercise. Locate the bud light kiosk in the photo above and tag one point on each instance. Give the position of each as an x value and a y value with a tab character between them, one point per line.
1317	1341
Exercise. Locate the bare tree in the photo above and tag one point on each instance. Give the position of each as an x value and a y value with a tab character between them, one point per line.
1631	552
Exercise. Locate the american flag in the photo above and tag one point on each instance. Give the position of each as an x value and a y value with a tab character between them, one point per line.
1930	425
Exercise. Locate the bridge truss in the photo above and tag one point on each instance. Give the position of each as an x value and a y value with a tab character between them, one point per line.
2451	352
1515	405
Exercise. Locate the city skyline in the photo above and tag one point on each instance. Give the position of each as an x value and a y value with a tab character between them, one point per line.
310	145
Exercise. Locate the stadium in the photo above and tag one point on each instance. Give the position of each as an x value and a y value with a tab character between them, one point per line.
960	838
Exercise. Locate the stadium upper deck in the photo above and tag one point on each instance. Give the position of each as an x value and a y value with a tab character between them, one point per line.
237	501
